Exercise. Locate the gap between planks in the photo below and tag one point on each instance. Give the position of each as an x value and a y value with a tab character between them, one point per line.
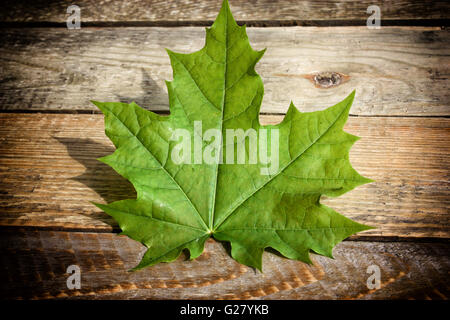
439	23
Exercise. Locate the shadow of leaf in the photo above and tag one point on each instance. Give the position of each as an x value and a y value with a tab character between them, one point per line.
151	91
99	177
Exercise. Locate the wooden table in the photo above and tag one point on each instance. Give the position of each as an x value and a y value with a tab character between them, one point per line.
50	137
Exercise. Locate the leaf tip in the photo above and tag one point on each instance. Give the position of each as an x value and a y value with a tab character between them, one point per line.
368	180
99	205
365	227
351	97
225	4
260	54
98	104
134	269
169	52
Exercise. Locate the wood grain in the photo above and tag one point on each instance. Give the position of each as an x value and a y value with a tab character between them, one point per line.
49	173
34	265
206	10
395	71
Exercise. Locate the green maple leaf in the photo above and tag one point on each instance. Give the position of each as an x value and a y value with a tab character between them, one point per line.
179	206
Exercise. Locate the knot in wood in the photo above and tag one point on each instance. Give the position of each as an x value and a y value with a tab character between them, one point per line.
327	79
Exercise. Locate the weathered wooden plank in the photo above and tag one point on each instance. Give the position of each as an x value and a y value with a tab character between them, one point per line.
34	265
206	10
408	271
395	71
49	173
